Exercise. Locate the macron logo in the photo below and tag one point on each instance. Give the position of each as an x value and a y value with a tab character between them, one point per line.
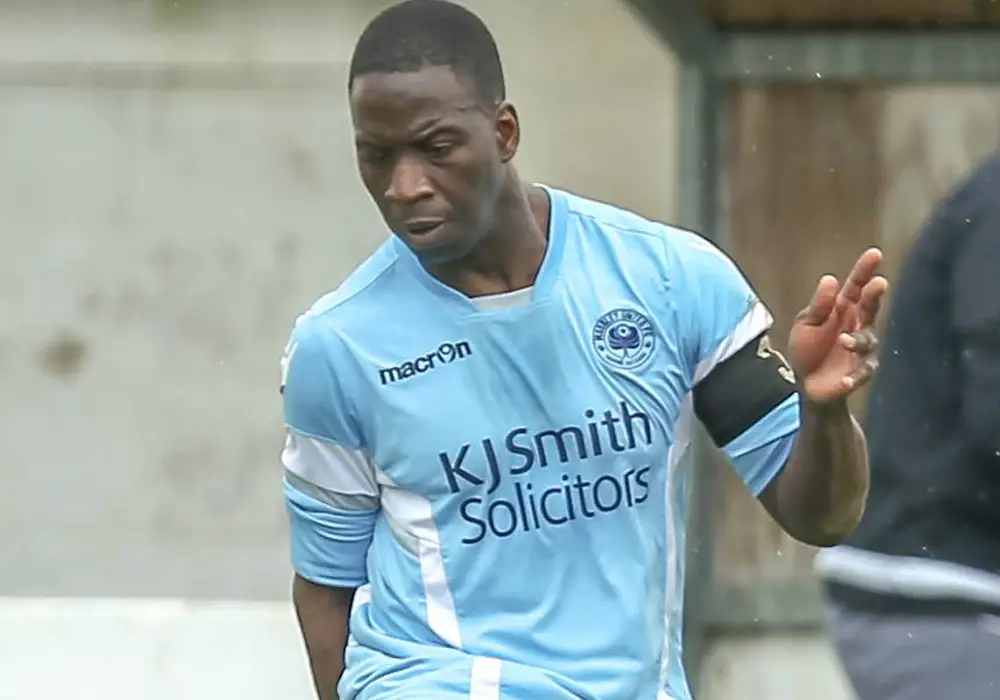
444	355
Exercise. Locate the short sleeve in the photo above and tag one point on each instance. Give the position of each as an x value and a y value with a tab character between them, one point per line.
330	488
719	311
314	399
744	390
760	453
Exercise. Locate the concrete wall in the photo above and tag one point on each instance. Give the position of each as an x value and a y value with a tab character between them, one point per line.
176	184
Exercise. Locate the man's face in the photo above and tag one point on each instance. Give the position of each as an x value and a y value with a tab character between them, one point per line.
431	157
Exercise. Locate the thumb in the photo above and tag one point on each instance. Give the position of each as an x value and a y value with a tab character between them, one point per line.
823	302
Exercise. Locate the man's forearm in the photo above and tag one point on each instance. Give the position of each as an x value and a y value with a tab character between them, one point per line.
323	616
820	496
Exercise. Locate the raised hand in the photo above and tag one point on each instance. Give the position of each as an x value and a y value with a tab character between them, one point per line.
832	346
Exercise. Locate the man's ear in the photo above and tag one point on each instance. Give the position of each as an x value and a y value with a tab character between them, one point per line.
508	131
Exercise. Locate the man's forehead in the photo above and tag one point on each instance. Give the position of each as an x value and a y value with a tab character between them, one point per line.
432	86
390	104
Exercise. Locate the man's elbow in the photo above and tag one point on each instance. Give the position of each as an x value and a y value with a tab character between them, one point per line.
824	538
827	529
815	522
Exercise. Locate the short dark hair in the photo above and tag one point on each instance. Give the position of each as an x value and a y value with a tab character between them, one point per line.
417	34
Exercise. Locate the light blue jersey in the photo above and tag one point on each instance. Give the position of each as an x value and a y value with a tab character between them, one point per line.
502	478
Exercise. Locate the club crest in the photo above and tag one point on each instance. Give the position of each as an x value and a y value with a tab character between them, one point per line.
624	339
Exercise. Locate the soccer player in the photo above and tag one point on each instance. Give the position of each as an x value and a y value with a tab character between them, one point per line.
486	421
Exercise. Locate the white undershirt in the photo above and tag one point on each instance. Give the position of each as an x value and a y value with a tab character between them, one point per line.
504	301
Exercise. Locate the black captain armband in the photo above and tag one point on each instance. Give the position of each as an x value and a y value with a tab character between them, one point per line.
742	389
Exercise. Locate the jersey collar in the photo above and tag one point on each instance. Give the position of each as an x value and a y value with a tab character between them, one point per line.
548	273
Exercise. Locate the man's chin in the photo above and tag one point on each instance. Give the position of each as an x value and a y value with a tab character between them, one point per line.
436	247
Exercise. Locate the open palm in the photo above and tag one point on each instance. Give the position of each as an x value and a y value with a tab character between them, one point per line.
832	345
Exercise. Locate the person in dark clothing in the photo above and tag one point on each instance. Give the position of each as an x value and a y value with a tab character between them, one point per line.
915	591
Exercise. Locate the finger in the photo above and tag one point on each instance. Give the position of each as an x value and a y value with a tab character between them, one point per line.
862	375
862	342
823	301
871	300
864	270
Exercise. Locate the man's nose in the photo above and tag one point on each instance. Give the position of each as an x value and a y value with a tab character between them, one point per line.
409	182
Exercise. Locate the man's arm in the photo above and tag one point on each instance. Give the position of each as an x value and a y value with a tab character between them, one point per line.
332	500
331	532
806	462
323	613
819	495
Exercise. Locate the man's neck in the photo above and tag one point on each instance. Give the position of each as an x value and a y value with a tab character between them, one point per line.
511	253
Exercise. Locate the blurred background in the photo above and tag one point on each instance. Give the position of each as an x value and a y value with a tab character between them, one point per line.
177	183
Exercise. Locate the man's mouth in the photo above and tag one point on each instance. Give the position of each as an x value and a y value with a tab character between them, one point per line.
422	227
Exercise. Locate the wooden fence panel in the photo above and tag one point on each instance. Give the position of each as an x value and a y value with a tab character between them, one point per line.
802	174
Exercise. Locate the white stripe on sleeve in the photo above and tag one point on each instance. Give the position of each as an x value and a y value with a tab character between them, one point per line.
329	466
757	320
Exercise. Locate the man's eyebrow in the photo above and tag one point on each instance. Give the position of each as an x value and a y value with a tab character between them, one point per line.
430	124
425	127
436	120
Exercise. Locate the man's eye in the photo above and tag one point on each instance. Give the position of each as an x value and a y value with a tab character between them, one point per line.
375	156
440	149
